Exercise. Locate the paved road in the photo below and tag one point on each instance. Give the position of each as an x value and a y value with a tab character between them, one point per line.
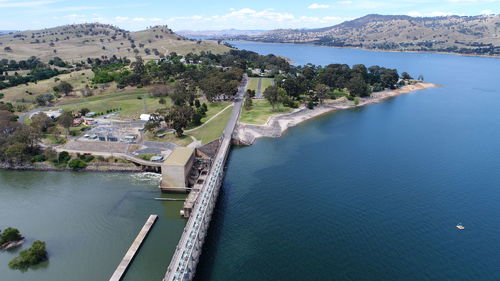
238	103
259	94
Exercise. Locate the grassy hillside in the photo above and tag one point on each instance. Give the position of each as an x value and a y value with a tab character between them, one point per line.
466	35
80	41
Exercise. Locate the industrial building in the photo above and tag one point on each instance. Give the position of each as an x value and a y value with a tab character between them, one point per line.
176	168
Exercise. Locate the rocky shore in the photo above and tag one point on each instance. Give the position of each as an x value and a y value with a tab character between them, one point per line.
92	167
276	125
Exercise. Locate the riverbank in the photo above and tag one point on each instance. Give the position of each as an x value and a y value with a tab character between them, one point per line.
91	167
276	125
374	50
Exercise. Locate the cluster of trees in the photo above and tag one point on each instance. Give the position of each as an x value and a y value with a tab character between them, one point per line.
57	61
12	65
10	234
19	143
186	110
219	75
38	71
36	254
358	80
313	84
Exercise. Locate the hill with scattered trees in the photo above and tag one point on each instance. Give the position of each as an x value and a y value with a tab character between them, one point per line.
476	35
81	41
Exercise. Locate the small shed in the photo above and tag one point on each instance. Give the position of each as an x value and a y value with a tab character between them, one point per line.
145	117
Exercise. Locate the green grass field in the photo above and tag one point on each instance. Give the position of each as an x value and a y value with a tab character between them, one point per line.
214	108
253	83
213	129
266	82
131	106
261	111
17	94
170	137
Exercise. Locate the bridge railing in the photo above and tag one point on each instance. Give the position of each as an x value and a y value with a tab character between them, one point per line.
185	259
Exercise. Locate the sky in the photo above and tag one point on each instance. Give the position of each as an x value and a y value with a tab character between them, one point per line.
216	15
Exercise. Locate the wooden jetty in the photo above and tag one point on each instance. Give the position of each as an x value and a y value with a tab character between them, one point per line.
129	256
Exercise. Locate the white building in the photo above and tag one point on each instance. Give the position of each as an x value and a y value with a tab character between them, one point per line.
145	117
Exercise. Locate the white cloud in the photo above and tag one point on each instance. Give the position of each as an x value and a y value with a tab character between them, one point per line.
473	1
318	6
23	4
251	19
345	2
487	12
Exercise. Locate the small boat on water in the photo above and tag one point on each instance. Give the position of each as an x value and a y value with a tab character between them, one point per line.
460	226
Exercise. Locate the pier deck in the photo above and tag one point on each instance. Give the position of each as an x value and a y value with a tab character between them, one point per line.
129	256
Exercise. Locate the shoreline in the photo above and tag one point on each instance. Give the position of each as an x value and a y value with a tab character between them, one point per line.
375	50
278	124
91	169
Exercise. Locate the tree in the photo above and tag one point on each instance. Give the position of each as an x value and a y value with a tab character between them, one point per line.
66	120
44	99
420	77
41	122
250	93
179	117
63	157
197	115
84	111
32	256
10	234
271	94
357	86
389	78
138	65
65	87
77	164
322	91
182	93
17	153
406	76
275	95
248	103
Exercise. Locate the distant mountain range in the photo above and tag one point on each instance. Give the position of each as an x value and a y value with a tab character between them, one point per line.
7	31
477	35
215	34
93	40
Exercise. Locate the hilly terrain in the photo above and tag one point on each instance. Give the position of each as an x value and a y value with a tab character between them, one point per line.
477	35
81	41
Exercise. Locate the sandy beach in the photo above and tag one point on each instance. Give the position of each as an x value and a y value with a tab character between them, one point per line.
276	125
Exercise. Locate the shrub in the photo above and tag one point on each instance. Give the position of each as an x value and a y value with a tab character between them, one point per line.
2	95
77	164
10	234
86	157
356	101
32	256
38	158
64	157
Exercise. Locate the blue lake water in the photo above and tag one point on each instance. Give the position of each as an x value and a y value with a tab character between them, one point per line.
372	193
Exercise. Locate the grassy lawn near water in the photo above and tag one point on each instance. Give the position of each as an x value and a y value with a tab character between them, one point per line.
261	111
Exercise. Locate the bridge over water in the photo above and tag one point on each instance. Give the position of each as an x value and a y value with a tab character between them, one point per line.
186	256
